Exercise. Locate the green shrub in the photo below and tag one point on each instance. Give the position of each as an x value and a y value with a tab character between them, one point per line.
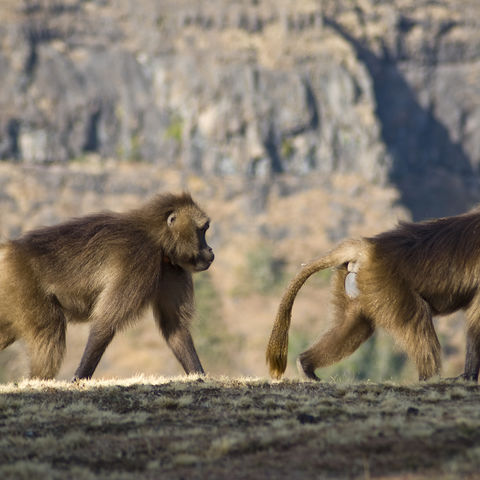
175	129
287	149
131	151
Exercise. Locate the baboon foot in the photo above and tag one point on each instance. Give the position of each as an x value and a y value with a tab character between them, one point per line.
306	371
77	379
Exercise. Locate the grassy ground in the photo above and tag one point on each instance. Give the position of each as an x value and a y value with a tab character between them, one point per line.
191	428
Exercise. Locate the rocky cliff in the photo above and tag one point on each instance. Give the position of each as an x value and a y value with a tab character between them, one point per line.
252	90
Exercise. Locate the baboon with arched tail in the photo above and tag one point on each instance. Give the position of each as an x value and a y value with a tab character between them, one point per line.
398	280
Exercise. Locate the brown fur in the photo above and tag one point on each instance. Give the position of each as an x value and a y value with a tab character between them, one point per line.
405	276
104	268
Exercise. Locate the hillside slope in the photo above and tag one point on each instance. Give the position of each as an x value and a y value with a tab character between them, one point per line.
238	429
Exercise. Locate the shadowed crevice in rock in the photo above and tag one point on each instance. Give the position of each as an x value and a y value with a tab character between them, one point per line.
434	175
312	107
36	34
13	129
92	141
270	143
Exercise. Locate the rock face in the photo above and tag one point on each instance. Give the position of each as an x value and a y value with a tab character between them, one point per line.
251	90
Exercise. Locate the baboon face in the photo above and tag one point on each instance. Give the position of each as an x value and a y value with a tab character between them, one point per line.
189	226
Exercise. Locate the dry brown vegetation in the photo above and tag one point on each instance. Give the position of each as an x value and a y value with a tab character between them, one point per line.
238	428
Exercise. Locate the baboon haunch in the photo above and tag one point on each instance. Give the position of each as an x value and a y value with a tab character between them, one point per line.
106	269
398	279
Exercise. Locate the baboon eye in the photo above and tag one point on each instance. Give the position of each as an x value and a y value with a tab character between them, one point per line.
171	219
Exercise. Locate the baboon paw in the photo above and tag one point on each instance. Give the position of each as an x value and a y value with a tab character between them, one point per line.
306	371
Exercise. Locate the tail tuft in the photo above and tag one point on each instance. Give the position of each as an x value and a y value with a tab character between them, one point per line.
277	349
277	362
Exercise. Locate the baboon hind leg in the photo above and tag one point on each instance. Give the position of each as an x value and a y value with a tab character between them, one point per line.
46	342
410	322
351	329
472	357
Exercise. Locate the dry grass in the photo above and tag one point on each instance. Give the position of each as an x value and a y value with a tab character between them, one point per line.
238	428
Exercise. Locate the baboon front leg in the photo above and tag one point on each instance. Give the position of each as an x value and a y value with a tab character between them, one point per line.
178	338
350	331
173	311
98	340
181	343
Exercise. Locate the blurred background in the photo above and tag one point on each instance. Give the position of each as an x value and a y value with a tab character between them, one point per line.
293	123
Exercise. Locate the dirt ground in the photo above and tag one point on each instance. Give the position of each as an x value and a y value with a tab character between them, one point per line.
192	428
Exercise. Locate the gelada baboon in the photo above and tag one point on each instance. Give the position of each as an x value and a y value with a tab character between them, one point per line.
398	279
106	269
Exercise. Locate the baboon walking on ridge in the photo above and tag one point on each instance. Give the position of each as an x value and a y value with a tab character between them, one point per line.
104	268
398	280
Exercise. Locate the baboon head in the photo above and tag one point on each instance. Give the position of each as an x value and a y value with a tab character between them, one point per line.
187	225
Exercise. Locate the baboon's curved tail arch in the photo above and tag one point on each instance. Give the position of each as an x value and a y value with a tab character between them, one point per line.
277	349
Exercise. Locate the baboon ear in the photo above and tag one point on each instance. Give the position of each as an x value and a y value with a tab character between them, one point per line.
171	219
